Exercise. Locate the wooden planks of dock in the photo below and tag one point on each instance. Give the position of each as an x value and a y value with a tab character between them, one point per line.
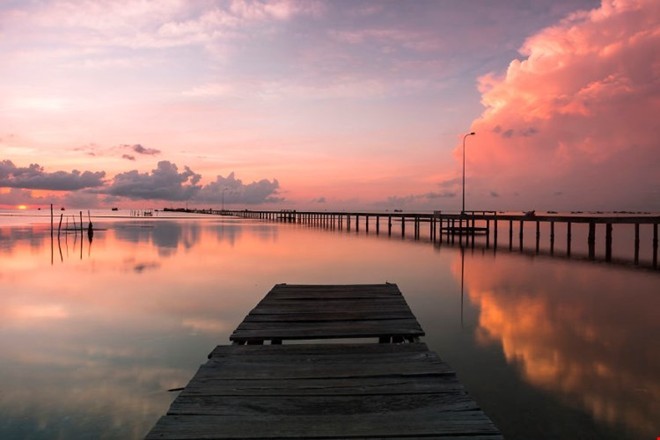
329	312
325	390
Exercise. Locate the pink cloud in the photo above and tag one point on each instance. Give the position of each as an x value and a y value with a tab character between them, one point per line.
578	115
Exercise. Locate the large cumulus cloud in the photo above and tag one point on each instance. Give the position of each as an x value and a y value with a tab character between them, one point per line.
232	190
34	177
168	184
576	119
163	183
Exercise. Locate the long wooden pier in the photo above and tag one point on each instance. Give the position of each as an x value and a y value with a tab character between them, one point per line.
497	229
325	390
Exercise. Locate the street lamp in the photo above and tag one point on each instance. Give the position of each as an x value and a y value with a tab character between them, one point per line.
472	133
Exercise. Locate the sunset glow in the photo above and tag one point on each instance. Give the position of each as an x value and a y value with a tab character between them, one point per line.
330	104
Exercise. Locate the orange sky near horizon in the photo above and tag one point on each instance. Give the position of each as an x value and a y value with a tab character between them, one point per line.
330	105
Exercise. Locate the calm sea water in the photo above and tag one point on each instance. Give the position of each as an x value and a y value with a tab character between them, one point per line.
93	334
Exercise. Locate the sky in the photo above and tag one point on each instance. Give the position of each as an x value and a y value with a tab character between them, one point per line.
330	105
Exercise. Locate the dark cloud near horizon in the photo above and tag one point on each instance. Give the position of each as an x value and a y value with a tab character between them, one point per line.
128	156
34	177
396	201
163	183
232	190
140	149
450	182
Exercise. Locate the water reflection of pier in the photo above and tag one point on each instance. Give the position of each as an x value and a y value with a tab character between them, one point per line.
484	229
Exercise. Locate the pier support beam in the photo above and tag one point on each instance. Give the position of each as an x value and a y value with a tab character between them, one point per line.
538	235
655	245
552	238
608	242
636	243
591	240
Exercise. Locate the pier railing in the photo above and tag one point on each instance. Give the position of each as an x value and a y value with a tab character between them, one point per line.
486	227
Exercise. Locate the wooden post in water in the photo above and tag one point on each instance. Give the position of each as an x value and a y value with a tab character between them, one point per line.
487	233
495	233
510	235
357	222
403	226
636	243
389	225
568	239
655	245
591	240
552	238
538	235
377	225
608	242
521	234
366	224
432	228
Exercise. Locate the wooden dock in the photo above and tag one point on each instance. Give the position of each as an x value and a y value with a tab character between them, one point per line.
325	390
329	312
462	228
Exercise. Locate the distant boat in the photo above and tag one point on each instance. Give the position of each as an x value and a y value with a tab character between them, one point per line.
62	208
115	209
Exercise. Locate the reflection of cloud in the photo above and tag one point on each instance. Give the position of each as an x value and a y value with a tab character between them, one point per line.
583	334
141	267
90	346
40	311
206	325
102	398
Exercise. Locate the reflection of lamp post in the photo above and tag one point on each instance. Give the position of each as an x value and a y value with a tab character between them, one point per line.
468	134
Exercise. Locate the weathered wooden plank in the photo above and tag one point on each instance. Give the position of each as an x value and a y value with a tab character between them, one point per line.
365	308
337	287
325	296
356	326
363	350
314	292
258	406
393	301
411	358
362	386
327	316
412	423
363	331
291	370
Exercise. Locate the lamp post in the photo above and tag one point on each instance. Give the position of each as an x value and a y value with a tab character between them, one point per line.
472	133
